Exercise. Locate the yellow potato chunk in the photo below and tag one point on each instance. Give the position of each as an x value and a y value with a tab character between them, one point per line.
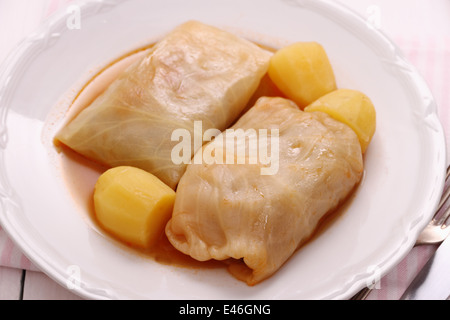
302	71
133	205
351	107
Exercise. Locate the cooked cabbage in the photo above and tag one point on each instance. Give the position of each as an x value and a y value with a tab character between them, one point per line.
256	221
197	72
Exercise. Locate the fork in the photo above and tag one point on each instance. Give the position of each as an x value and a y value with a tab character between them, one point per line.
434	233
437	230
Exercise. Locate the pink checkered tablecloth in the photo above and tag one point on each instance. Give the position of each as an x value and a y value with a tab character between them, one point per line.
431	56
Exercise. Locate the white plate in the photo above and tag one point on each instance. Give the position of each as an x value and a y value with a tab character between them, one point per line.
400	190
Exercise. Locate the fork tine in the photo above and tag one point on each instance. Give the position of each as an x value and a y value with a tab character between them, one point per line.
444	217
446	194
446	214
444	199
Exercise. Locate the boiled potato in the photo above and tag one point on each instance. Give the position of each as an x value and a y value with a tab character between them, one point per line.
133	205
302	72
351	107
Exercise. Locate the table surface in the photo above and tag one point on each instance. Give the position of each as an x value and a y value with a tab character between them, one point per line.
400	19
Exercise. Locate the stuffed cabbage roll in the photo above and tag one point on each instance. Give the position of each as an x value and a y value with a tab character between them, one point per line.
256	221
197	72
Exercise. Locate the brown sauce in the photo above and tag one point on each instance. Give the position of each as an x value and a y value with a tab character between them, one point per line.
81	174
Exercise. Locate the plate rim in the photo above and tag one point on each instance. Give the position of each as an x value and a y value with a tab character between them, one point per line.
8	197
